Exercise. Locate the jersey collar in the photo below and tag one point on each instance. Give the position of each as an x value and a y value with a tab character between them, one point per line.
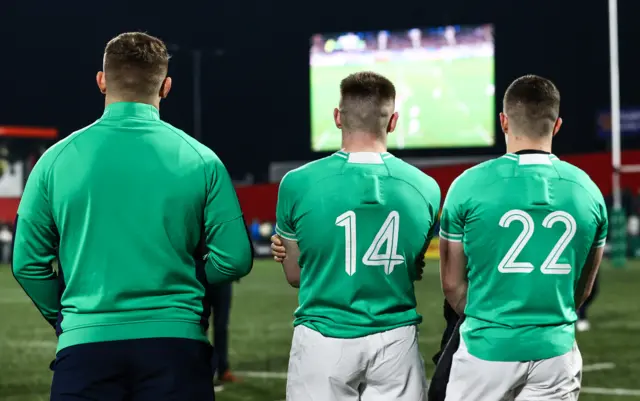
364	157
140	111
531	156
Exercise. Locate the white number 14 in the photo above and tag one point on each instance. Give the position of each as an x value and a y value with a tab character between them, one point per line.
388	234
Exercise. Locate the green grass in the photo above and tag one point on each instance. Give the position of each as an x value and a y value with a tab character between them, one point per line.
261	333
450	98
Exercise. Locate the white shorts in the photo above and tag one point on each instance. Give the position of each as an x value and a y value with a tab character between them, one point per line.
380	367
553	379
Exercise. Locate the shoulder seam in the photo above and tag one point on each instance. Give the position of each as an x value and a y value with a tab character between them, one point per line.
78	134
418	191
204	164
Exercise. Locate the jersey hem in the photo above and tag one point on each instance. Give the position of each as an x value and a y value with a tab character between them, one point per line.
131	331
354	332
451	237
285	235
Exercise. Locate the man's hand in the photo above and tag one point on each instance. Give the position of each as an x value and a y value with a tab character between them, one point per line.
277	248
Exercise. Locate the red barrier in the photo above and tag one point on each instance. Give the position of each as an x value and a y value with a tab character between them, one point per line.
259	201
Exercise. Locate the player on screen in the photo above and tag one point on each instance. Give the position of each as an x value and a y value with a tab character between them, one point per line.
142	218
355	226
522	238
349	42
450	35
383	39
415	35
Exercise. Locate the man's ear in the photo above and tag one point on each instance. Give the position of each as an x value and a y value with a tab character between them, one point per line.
336	118
165	88
504	123
392	122
557	126
102	83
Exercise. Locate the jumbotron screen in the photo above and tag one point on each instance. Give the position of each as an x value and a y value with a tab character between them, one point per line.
444	80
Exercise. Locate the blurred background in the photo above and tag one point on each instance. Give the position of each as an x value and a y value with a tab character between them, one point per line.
256	81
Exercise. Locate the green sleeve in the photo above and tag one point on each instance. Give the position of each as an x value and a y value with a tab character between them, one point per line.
433	198
35	242
452	218
603	226
230	253
285	226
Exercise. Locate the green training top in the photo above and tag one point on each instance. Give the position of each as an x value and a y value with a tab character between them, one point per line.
528	223
361	220
128	205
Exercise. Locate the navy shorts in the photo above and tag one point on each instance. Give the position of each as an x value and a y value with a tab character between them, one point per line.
168	369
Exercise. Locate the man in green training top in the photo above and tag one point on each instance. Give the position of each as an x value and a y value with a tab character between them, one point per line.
522	238
355	226
130	206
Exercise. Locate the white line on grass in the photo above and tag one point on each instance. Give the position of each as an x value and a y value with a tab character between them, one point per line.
263	375
610	391
32	344
598	366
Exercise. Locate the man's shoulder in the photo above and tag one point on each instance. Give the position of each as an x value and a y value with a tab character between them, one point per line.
311	172
49	157
207	155
569	172
413	176
479	174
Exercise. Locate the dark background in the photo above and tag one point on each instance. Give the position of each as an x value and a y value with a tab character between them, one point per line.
255	89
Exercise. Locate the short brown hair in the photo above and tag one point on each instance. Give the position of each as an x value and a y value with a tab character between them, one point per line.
135	64
366	102
532	104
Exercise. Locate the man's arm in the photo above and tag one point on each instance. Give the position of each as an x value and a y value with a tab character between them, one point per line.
229	250
290	262
592	264
286	230
453	274
453	261
588	276
35	242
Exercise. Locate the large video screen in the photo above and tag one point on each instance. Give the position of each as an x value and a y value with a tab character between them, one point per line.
444	80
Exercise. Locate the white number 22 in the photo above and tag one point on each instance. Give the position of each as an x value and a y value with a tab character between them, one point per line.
550	264
388	234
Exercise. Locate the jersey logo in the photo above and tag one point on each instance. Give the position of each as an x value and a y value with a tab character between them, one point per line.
387	235
550	264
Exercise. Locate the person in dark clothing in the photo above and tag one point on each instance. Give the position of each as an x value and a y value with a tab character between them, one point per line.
443	358
221	306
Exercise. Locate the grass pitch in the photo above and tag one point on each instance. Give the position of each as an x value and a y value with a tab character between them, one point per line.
442	103
261	333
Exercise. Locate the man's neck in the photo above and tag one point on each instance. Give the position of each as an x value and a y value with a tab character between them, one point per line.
117	99
519	143
362	142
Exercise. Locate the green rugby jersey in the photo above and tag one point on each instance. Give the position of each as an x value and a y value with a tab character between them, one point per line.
528	222
127	205
361	221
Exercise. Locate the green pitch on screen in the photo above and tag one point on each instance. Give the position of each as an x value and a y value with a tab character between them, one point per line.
442	103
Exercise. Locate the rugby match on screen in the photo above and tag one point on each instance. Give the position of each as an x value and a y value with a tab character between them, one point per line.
444	79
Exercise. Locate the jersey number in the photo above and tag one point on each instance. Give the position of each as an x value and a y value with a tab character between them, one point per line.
550	264
387	234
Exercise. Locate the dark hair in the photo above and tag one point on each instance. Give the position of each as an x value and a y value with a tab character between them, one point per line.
366	102
135	64
532	104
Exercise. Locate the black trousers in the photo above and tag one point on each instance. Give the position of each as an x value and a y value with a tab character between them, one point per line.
168	369
443	359
221	305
